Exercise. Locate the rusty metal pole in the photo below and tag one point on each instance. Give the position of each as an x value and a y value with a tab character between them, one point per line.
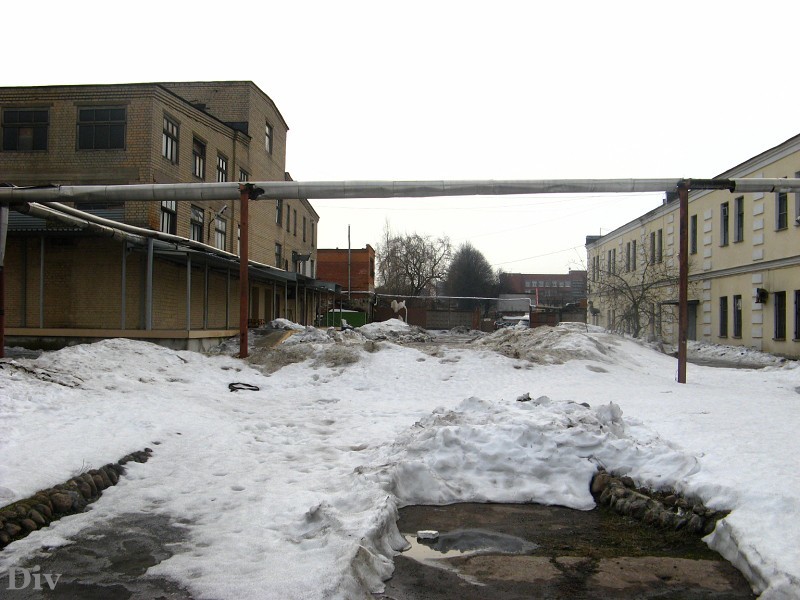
244	197
683	279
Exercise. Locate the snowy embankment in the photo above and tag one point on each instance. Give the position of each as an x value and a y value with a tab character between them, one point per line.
292	491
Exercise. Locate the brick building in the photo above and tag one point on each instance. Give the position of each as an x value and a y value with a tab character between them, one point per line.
549	289
64	283
354	271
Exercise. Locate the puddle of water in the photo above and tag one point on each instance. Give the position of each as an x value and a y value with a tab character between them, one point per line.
462	543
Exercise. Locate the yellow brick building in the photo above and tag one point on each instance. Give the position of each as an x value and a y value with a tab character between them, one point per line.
744	264
63	284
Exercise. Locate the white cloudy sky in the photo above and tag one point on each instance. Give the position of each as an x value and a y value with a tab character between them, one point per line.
460	90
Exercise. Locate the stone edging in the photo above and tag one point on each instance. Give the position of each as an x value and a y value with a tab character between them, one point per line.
24	516
667	510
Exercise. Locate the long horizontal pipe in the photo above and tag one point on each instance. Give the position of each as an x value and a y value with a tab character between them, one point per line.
381	189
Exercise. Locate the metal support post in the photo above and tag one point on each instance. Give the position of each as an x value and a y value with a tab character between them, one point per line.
683	276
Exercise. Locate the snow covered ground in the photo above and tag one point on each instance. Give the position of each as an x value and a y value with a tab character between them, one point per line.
292	491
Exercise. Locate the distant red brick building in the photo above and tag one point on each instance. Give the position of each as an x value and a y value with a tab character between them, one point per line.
355	274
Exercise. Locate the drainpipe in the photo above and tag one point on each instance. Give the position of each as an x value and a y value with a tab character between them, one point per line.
148	289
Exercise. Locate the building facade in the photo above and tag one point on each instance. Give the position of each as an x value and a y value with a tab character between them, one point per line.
744	264
550	289
354	271
62	282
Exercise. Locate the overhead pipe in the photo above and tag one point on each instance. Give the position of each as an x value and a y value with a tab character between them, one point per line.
381	189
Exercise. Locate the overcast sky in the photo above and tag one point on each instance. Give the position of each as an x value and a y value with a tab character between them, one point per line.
442	89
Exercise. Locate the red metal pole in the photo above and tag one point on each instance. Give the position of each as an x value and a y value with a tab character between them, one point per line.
683	280
244	284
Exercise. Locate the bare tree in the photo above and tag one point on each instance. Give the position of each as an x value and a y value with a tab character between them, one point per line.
411	264
633	287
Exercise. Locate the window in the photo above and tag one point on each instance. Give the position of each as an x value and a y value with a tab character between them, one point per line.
780	315
268	138
797	315
222	168
633	255
659	246
101	128
737	316
278	255
169	141
627	257
724	224
738	219
220	232
693	234
169	218
295	222
781	208
238	240
304	228
279	212
652	260
608	263
723	316
196	224
199	155
25	130
288	217
312	234
244	176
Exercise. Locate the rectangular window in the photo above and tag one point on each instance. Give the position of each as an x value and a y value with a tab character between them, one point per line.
244	176
169	216
738	219
295	223
312	233
278	255
220	232
633	255
693	234
723	316
304	228
652	260
101	128
780	315
169	141
659	245
222	168
238	240
608	266
197	223
627	257
279	212
797	315
724	224
268	138
737	316
25	130
781	210
199	156
288	217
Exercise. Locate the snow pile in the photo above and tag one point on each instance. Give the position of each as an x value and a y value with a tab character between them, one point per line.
740	355
395	330
540	451
548	345
290	491
286	324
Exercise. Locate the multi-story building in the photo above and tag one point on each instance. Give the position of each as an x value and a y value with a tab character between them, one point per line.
551	289
744	264
64	283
